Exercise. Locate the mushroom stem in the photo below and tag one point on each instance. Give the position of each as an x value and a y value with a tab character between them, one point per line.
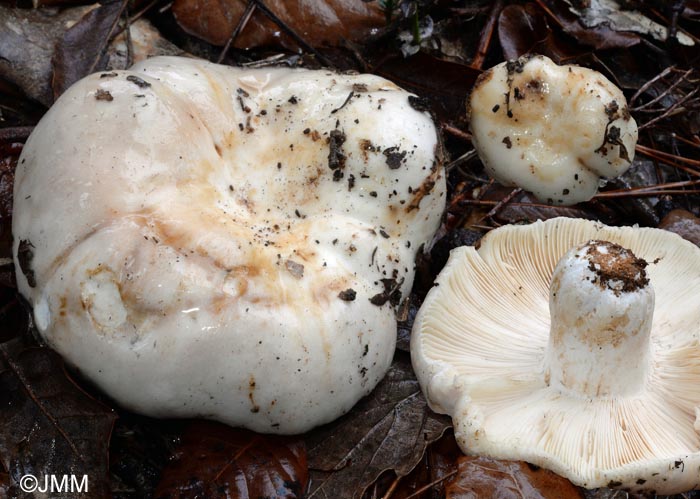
601	306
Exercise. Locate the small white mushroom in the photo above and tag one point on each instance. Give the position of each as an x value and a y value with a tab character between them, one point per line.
201	240
555	131
573	346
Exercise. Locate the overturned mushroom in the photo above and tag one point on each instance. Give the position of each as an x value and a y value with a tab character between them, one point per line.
201	240
555	131
589	367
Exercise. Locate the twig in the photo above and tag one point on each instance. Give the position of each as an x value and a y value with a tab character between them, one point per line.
290	32
662	192
108	37
502	204
462	159
671	159
664	93
436	481
391	490
670	110
141	12
648	84
242	22
456	132
486	35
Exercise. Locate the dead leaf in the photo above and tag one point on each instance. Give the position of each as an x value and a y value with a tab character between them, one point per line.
50	426
27	39
83	47
609	13
318	22
600	37
216	461
484	477
683	223
388	430
9	154
445	84
523	29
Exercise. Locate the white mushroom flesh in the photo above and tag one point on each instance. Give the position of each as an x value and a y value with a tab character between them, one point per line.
603	391
555	131
201	240
601	306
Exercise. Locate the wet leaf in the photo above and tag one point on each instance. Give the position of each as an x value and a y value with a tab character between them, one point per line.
138	451
524	29
609	13
319	22
600	37
445	84
83	47
388	430
485	477
529	209
49	426
683	223
215	461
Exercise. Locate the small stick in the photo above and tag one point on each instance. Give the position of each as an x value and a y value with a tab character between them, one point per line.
391	490
442	478
664	156
664	93
670	110
462	159
456	132
242	22
486	35
648	84
290	32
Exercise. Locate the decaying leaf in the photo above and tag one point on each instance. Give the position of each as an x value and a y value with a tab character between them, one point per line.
27	39
600	37
683	223
610	13
524	29
388	430
483	477
82	48
444	84
49	426
216	461
319	22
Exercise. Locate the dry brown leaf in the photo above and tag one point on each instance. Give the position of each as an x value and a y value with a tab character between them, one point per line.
683	223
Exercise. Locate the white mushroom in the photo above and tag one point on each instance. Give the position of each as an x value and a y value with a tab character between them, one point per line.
201	240
555	131
590	376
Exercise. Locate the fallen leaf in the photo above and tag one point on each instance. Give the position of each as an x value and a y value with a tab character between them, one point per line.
50	426
529	209
639	210
523	29
388	430
609	13
9	154
444	84
216	461
600	37
318	22
484	477
83	47
683	223
27	40
138	452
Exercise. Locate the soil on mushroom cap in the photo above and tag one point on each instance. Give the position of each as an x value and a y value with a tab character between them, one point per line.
616	265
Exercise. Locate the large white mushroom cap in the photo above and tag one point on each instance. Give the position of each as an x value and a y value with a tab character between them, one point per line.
201	240
552	343
555	131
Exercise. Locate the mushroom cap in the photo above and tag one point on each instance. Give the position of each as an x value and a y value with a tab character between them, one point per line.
201	240
552	130
479	345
